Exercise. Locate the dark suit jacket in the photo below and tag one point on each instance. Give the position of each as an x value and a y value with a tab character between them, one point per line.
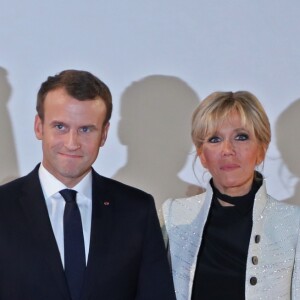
126	259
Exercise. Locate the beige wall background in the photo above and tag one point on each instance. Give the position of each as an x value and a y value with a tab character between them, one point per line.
160	58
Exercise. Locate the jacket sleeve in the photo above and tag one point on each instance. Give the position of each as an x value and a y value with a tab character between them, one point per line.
155	280
163	221
295	290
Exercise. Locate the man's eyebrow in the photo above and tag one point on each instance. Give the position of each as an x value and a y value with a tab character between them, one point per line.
88	125
57	122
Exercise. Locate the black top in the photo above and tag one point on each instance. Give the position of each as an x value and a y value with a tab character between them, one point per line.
221	264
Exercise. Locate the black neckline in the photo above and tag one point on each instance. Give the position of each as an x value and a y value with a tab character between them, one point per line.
242	203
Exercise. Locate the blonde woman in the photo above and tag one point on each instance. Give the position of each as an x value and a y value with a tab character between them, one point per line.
234	241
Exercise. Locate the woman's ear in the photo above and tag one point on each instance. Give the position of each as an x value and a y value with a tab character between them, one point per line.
261	154
201	157
199	151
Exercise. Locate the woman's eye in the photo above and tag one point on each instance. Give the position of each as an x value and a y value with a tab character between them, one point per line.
242	137
214	139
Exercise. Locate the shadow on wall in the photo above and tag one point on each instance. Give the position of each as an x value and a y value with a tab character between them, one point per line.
155	126
9	164
288	143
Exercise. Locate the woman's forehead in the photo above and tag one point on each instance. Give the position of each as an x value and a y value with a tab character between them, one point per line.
233	119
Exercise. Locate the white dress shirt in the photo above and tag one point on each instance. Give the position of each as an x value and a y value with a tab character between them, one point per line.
56	205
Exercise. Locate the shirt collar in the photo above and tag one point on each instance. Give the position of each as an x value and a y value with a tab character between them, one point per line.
51	185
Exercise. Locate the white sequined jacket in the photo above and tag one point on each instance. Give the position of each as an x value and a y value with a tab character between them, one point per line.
274	250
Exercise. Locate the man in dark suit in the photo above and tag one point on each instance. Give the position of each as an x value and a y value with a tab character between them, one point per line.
66	232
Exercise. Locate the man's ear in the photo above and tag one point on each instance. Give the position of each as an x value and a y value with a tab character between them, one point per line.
38	127
104	134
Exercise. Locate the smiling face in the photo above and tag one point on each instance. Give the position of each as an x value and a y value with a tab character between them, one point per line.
72	133
231	154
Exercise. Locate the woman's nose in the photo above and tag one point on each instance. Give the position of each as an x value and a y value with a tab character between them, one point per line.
228	147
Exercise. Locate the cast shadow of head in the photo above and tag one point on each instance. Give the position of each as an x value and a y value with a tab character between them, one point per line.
9	164
288	143
155	126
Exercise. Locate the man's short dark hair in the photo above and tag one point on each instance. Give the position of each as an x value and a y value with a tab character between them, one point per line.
81	85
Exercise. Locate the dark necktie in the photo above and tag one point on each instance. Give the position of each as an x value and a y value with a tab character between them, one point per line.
73	244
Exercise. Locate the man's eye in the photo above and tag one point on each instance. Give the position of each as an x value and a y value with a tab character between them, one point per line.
242	137
85	129
214	139
59	126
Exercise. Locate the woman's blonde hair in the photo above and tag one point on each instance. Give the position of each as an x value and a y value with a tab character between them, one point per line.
218	106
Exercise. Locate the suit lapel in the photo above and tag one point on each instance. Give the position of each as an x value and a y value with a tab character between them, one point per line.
36	214
102	207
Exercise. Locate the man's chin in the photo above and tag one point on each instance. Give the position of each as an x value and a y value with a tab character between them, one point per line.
74	173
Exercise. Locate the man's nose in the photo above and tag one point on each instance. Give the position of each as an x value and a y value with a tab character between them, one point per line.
72	140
